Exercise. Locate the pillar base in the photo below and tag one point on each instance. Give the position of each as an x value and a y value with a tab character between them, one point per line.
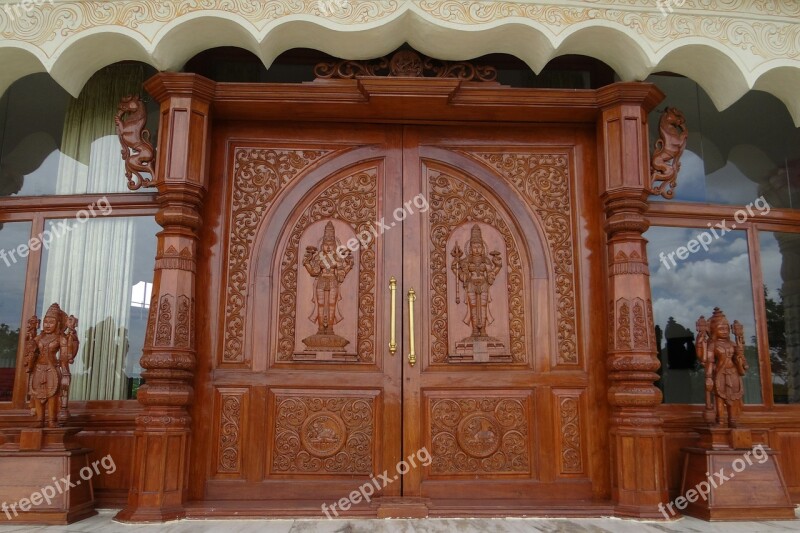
158	490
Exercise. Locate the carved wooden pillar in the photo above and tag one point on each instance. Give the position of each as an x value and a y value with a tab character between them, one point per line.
159	486
638	474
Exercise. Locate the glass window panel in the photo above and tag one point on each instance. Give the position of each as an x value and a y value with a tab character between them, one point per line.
780	265
12	289
98	270
51	143
683	290
750	149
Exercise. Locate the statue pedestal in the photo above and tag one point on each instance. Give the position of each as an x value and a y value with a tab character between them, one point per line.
480	350
37	456
325	347
730	479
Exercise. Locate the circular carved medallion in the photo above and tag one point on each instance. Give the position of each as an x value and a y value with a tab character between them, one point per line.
478	435
323	434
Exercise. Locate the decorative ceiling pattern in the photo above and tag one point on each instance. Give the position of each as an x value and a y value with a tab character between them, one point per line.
728	46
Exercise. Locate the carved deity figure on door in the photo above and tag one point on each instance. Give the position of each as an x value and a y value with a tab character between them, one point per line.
329	269
47	358
475	270
724	364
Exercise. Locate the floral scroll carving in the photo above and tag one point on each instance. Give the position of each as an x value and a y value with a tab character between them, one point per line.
259	175
230	425
315	434
164	324
182	326
632	323
570	429
170	321
137	150
479	435
354	200
408	64
542	179
454	203
665	163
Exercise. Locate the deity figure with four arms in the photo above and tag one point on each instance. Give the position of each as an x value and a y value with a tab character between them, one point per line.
724	364
329	271
47	358
476	271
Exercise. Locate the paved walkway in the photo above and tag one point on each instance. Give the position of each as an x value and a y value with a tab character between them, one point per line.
103	523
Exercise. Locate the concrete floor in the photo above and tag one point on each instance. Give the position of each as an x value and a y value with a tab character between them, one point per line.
103	523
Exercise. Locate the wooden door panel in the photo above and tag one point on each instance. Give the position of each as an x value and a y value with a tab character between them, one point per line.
306	397
499	397
479	433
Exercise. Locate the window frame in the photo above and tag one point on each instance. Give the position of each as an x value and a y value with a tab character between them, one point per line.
698	215
36	210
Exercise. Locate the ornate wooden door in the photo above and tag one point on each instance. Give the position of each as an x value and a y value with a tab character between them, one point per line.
500	394
304	396
307	399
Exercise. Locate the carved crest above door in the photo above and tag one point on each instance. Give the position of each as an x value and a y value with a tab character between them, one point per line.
406	64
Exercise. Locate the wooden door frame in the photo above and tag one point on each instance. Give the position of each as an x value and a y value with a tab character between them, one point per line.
189	106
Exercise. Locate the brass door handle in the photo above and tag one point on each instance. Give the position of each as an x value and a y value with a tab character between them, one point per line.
412	356
392	315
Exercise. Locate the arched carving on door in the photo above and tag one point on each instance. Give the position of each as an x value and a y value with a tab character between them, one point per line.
345	194
537	184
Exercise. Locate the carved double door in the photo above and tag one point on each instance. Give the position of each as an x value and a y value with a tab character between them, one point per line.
377	292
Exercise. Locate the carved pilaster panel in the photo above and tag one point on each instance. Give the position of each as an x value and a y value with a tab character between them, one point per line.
632	263
231	414
455	206
632	320
174	260
543	181
150	333
352	201
479	433
170	322
570	423
324	433
164	320
259	175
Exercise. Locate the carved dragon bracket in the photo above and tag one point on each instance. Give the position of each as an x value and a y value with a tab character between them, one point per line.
137	150
666	160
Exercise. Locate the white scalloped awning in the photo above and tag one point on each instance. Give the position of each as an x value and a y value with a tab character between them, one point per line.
727	46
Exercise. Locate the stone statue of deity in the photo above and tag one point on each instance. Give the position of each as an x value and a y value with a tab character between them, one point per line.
724	363
47	358
329	271
476	271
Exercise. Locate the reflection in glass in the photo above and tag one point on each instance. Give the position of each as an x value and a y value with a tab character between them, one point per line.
51	143
12	288
683	290
93	271
750	149
780	265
